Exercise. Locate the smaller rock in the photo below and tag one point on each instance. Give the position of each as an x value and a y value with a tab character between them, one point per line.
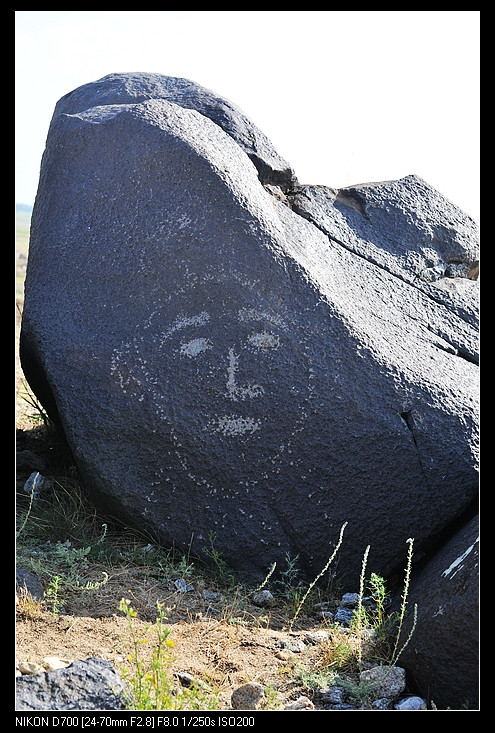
411	703
292	645
383	703
35	484
28	583
349	600
302	703
29	668
211	596
188	680
55	663
248	696
387	682
316	637
343	616
263	598
332	695
183	586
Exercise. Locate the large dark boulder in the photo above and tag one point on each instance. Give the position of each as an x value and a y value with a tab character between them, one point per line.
442	657
229	368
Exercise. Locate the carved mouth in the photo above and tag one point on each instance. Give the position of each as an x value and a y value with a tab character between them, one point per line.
233	425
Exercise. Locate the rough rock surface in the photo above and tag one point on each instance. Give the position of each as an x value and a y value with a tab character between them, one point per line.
117	89
408	229
248	696
238	368
443	654
91	684
27	582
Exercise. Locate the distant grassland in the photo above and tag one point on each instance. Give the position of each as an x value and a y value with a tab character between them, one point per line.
22	224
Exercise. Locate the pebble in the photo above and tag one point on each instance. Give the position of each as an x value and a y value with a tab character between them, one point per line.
29	668
411	703
35	484
50	663
211	596
302	703
292	645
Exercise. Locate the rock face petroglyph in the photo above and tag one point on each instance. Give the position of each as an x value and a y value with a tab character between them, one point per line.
238	359
232	354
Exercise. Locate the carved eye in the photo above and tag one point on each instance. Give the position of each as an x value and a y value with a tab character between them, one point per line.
264	340
195	347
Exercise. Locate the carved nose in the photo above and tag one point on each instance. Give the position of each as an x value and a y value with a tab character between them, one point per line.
237	391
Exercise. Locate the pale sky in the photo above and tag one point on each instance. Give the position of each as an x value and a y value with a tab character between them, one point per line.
346	97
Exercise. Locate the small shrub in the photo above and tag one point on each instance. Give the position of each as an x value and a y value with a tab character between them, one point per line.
52	596
150	681
402	613
368	636
320	575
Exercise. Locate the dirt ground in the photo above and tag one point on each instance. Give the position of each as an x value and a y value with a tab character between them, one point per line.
220	649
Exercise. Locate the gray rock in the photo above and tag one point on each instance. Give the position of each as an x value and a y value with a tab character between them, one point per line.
28	582
183	586
349	600
248	696
119	89
384	681
212	596
91	684
221	365
295	646
35	484
383	703
442	656
333	695
410	230
411	703
263	598
343	616
316	637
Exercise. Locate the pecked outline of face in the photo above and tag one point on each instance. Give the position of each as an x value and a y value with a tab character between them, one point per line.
219	378
221	368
